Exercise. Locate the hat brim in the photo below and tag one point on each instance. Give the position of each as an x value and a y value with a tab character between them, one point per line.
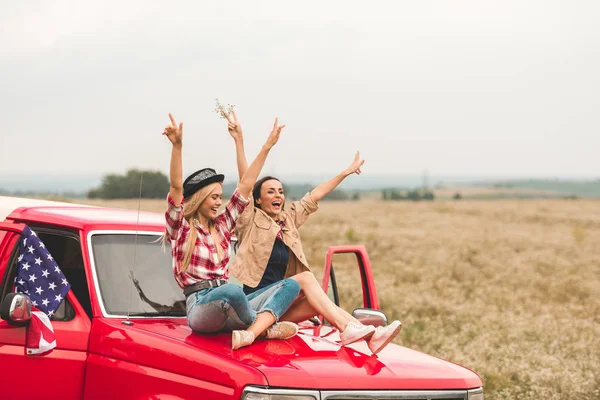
190	190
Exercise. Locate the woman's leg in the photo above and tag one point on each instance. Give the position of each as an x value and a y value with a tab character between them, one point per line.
270	303
320	303
276	298
212	310
300	311
225	307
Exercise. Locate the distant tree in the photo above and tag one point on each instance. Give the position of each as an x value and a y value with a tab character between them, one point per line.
413	195
356	196
428	195
457	196
155	185
337	194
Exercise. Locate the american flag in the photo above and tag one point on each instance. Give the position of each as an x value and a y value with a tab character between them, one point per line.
40	277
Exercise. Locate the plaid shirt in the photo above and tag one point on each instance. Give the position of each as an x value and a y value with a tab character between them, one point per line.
204	263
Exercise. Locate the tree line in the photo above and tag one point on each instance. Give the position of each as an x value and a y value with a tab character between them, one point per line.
155	185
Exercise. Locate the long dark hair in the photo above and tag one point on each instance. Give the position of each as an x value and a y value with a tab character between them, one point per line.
258	186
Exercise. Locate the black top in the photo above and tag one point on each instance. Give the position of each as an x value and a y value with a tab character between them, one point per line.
276	267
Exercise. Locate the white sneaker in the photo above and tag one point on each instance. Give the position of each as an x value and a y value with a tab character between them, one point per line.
241	339
383	336
355	332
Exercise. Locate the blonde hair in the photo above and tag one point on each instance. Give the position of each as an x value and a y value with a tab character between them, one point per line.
191	207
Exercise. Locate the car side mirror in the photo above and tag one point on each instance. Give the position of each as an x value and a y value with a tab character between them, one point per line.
16	309
368	316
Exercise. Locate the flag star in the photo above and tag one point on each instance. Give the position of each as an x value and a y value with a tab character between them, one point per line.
34	303
25	266
42	245
64	282
38	261
50	313
20	257
32	278
52	286
45	273
25	242
58	298
39	290
45	302
30	249
56	269
49	257
33	233
27	292
21	282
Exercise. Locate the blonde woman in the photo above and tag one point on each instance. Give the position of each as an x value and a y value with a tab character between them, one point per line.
270	248
200	237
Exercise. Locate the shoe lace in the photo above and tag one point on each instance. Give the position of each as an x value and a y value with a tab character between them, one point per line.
381	329
354	326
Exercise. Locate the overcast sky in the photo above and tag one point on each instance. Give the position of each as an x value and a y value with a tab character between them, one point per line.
454	87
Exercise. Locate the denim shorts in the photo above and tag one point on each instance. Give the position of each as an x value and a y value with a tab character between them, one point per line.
227	308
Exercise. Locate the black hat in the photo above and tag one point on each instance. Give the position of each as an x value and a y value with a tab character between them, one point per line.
200	179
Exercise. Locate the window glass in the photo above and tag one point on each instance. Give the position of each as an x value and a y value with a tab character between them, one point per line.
146	288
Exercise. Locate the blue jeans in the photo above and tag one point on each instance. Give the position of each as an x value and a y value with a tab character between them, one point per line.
226	308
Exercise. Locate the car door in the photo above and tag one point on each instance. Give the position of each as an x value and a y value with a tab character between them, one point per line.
58	374
354	266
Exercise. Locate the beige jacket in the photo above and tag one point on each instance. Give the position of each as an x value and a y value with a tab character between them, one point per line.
256	233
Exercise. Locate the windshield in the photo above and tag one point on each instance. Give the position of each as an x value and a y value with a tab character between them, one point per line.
147	288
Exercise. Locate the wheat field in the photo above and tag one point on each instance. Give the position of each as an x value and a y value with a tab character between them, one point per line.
507	288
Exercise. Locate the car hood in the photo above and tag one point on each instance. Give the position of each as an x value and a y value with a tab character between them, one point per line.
314	359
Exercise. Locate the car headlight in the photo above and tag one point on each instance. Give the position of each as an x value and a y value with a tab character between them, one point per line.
256	393
475	394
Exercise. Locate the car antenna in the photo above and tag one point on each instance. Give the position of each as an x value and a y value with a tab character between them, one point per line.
137	226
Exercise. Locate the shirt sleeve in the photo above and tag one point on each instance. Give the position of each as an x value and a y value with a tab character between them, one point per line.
174	218
245	219
233	209
300	210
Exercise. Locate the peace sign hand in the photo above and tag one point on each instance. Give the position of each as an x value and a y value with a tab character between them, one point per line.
174	133
234	127
274	135
354	168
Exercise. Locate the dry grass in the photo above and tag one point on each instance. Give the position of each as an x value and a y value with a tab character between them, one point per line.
504	287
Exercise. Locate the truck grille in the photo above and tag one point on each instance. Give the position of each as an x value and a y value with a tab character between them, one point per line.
395	395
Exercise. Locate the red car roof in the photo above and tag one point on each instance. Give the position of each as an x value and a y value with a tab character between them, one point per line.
89	218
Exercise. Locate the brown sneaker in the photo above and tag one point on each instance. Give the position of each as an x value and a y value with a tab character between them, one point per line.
282	330
241	339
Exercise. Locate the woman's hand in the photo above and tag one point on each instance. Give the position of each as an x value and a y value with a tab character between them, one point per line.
174	133
354	168
274	135
234	127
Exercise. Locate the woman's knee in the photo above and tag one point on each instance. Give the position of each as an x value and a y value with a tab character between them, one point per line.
305	279
292	286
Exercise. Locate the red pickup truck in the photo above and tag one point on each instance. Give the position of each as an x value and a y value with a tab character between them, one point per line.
121	332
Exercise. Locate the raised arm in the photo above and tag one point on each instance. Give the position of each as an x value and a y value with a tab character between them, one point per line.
249	178
325	188
174	133
235	130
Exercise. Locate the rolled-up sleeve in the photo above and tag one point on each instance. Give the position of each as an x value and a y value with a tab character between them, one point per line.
245	219
173	218
300	210
233	209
